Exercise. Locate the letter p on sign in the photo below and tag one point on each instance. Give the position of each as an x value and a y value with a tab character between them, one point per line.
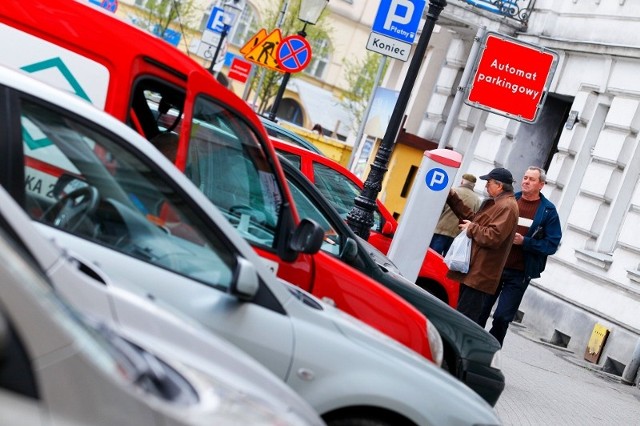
436	179
395	14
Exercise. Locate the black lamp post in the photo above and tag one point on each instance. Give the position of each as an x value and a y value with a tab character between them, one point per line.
360	218
231	10
310	11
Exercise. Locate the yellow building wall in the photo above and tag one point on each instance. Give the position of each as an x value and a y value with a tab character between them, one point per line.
398	179
335	149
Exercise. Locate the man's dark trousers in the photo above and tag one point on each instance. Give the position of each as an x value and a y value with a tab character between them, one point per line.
471	302
509	295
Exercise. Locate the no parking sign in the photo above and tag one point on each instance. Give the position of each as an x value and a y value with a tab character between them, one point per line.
294	53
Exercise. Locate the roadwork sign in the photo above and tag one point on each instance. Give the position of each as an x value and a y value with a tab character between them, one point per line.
389	46
262	49
511	77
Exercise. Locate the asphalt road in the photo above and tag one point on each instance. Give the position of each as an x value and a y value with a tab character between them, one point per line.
551	386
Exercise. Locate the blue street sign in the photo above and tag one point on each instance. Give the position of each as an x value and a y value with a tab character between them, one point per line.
399	19
436	179
216	20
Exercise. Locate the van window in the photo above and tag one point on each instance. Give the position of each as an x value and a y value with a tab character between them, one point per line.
82	180
224	159
156	112
228	164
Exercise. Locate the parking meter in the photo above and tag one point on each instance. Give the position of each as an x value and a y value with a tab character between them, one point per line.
422	211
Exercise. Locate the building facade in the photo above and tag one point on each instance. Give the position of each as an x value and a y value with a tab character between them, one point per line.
586	137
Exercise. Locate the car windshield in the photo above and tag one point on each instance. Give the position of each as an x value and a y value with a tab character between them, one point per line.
85	182
340	192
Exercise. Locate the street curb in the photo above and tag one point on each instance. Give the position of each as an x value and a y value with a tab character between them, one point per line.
521	330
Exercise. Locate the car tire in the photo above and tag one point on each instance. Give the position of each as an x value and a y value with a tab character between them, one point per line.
358	421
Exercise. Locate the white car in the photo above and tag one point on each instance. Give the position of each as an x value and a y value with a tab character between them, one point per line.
103	191
235	379
57	368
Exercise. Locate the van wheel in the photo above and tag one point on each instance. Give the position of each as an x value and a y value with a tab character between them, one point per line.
358	421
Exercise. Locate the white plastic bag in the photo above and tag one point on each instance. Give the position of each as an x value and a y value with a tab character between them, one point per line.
459	254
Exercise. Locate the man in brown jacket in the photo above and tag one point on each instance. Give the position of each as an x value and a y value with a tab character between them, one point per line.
492	230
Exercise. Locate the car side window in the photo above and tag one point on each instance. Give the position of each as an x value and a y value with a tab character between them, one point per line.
292	158
84	181
307	209
340	192
227	163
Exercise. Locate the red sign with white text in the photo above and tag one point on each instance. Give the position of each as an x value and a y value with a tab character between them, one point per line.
239	70
511	77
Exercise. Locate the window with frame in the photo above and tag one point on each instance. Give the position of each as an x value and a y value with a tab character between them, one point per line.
307	209
246	26
321	49
83	180
228	164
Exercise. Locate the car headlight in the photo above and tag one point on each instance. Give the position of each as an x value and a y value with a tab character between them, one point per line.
435	343
496	361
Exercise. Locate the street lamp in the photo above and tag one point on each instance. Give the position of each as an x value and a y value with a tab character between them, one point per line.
310	11
360	218
231	10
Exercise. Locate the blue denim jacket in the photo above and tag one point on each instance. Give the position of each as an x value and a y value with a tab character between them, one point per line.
542	239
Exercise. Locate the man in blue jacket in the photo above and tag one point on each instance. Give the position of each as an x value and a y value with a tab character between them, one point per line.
537	236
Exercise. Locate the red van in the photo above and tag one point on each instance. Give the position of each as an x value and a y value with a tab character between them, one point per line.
212	136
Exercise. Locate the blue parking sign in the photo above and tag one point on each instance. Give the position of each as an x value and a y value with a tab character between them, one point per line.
216	20
399	19
436	179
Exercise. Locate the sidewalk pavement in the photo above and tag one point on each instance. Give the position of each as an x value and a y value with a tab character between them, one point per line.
547	385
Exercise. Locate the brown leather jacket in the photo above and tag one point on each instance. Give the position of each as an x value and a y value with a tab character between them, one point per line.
492	230
448	223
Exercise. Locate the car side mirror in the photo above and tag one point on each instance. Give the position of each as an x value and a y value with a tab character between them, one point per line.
349	250
245	283
388	229
307	237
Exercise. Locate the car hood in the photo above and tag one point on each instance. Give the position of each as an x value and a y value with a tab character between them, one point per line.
377	368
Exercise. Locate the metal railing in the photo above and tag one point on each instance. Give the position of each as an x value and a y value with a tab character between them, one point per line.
518	10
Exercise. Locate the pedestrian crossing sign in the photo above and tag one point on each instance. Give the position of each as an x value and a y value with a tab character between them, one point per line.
262	49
